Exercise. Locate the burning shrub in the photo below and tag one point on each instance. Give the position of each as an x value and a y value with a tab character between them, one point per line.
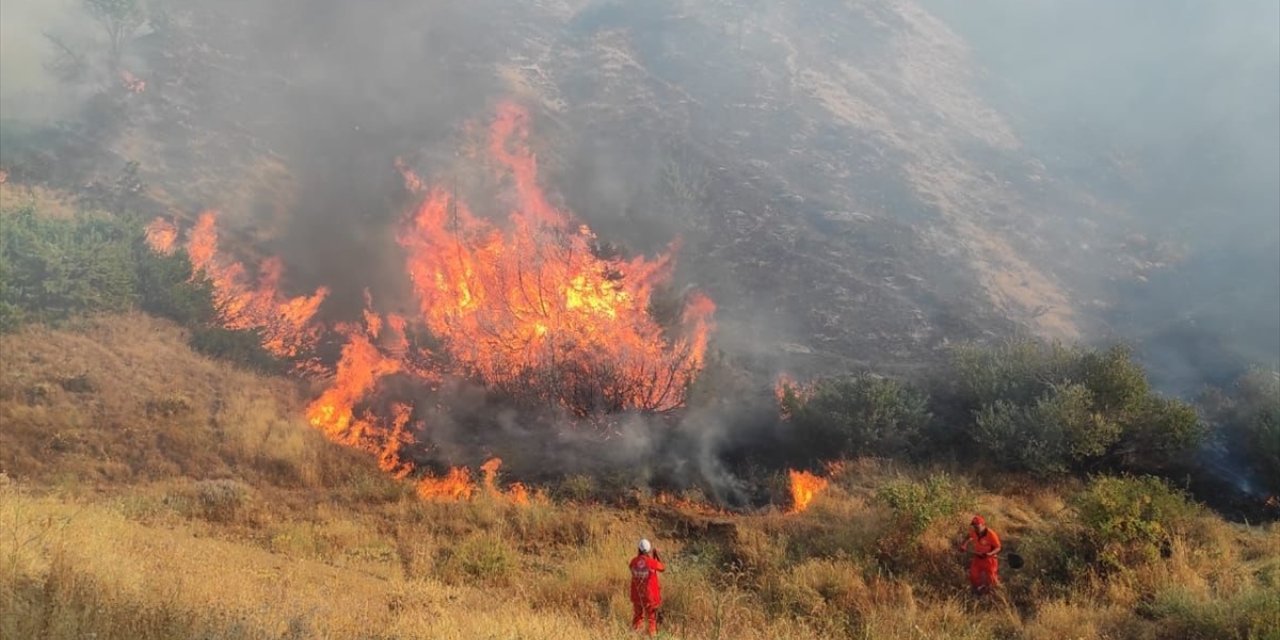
535	309
166	288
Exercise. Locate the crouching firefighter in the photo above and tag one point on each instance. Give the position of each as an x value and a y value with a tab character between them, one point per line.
646	592
984	566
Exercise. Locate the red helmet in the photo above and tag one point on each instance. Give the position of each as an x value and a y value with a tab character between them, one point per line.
978	521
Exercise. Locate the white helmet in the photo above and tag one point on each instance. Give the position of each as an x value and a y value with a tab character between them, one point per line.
645	547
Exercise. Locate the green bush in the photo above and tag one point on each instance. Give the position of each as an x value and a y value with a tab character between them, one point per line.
241	346
1117	383
859	415
1247	424
1052	409
166	288
1017	371
51	268
1059	430
917	504
1129	520
1161	437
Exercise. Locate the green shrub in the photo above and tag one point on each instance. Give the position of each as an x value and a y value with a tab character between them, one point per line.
576	488
51	268
241	346
166	288
1117	383
1247	424
1017	371
1162	436
1129	520
917	504
1052	409
1059	430
859	415
1016	438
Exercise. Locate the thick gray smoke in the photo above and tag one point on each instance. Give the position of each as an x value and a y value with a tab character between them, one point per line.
1173	110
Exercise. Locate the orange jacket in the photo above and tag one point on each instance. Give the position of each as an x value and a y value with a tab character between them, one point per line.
985	543
644	579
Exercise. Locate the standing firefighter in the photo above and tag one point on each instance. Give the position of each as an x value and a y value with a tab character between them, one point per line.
984	567
646	593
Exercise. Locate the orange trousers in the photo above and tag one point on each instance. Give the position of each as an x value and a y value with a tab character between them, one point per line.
641	611
984	573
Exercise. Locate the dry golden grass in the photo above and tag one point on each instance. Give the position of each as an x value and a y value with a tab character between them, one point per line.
153	493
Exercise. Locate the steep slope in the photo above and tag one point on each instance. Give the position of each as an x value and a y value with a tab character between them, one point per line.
838	184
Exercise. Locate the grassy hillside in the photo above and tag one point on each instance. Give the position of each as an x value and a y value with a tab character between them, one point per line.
151	492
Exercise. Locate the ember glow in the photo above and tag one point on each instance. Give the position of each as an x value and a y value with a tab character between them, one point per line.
804	488
527	307
533	307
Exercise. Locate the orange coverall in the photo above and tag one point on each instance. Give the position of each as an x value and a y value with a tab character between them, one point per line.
646	592
983	572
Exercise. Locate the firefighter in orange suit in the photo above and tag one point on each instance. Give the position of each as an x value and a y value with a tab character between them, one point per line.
646	592
984	566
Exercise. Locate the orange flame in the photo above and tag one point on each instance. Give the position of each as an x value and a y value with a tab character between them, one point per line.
804	488
530	306
786	386
454	486
517	493
131	83
285	323
361	367
162	236
533	308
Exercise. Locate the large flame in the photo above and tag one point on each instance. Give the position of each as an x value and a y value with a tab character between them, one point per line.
804	488
533	308
360	369
528	307
284	323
